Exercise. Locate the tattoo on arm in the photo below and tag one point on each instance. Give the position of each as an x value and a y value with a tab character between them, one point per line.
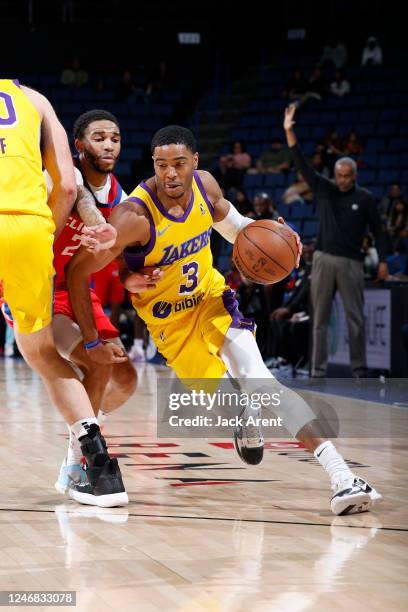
86	207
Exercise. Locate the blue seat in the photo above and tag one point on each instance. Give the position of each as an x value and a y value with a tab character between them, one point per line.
253	181
295	224
387	129
318	131
397	263
299	211
310	228
398	144
274	180
389	160
375	144
366	176
388	176
376	190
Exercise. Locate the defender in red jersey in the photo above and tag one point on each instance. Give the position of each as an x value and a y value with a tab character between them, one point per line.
97	140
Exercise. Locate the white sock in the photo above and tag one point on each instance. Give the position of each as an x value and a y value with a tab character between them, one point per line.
80	428
333	463
74	454
138	342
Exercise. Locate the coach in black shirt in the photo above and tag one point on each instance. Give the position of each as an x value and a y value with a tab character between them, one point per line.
345	210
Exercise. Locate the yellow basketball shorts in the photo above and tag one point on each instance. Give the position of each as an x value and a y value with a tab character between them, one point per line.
191	344
26	269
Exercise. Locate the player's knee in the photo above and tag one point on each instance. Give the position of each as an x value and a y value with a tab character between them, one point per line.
124	377
40	354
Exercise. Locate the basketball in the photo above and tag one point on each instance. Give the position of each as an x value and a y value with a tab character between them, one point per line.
265	251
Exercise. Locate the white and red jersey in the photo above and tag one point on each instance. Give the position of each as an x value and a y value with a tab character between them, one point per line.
69	241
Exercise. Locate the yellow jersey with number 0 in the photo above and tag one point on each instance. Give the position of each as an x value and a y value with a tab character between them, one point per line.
22	183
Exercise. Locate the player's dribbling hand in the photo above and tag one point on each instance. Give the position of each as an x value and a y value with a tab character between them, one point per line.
107	352
298	242
143	280
98	238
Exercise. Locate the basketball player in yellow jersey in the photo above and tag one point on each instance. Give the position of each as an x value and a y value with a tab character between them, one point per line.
163	230
27	226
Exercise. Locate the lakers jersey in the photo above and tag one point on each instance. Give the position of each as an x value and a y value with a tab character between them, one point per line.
22	183
180	246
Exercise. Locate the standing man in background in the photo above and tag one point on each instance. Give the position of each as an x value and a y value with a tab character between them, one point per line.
345	210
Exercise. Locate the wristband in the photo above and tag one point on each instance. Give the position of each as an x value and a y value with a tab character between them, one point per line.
92	344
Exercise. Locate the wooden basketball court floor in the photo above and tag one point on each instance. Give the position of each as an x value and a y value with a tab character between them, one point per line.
202	531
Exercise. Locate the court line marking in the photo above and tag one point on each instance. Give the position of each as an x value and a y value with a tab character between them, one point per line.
219	518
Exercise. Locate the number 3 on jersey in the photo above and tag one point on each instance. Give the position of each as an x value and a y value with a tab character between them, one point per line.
190	272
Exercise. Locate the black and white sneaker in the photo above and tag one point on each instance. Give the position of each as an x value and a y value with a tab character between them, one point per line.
248	438
353	496
103	486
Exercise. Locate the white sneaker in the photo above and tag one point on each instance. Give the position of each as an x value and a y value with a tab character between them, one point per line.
248	438
137	352
9	350
353	496
69	476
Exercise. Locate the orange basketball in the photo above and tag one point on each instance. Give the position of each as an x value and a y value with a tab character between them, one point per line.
265	251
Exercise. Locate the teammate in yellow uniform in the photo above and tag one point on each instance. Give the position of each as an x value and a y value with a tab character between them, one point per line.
163	230
31	136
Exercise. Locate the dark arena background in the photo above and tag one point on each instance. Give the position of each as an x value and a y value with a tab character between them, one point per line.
204	531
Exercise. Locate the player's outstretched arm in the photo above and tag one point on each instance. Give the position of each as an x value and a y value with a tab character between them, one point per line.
227	220
131	228
57	160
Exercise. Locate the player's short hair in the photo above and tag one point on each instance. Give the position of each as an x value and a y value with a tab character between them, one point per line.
174	134
85	119
346	160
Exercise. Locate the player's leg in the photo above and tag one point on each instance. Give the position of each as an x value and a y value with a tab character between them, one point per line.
241	355
28	291
121	385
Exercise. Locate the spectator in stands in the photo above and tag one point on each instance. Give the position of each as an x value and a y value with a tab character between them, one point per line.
274	160
75	76
290	322
332	149
398	223
253	304
226	175
159	78
317	86
372	53
128	91
344	211
297	192
241	202
370	257
386	203
318	164
264	208
241	160
339	87
296	87
335	54
352	145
